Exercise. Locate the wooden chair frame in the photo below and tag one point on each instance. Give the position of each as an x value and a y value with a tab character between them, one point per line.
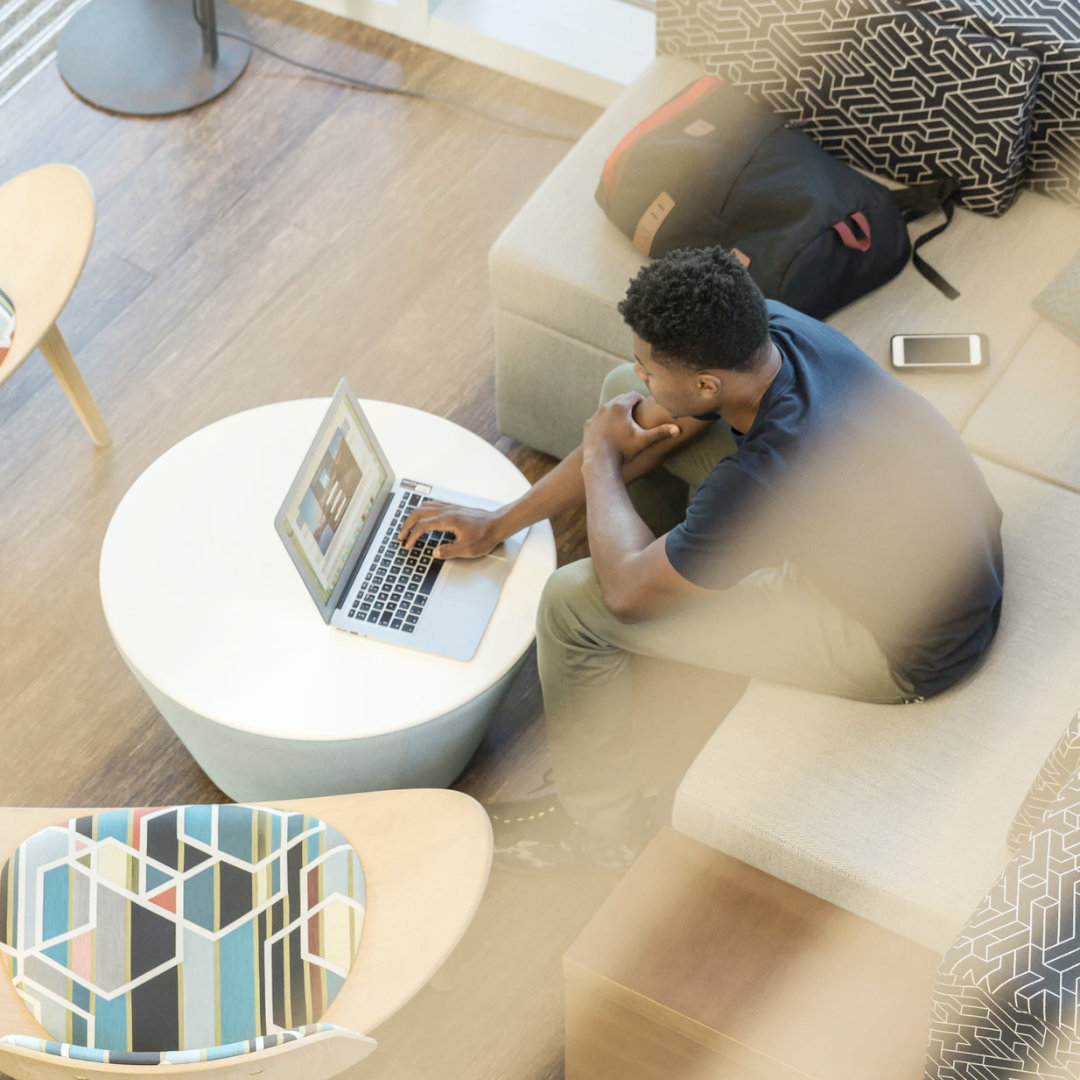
426	856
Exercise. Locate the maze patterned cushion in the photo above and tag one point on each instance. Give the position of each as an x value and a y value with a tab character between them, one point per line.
1050	28
1006	1003
889	90
1060	300
180	928
1059	769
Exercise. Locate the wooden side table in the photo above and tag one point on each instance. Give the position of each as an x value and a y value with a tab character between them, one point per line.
703	968
47	222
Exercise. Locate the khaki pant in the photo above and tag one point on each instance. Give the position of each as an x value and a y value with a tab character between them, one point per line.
772	625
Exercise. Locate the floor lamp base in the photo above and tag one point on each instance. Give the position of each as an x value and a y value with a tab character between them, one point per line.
146	57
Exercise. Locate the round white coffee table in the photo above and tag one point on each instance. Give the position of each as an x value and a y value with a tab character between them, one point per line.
214	621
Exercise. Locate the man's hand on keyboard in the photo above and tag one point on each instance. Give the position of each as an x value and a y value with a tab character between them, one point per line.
474	530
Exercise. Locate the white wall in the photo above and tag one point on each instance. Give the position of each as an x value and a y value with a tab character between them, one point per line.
589	49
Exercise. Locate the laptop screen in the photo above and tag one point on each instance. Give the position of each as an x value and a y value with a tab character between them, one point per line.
332	498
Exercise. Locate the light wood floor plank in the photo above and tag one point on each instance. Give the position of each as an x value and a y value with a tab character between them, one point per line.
253	251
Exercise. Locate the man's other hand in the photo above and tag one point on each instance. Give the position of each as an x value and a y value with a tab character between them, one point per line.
612	428
474	530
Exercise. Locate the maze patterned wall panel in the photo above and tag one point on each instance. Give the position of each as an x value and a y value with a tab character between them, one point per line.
180	928
886	89
1050	28
1006	1002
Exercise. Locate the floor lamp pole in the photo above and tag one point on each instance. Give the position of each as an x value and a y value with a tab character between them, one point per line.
152	57
208	21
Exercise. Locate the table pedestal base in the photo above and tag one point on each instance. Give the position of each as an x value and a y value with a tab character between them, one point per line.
250	767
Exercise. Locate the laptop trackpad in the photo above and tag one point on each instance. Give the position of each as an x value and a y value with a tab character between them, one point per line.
475	582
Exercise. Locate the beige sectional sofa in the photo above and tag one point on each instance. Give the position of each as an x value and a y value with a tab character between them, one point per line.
897	813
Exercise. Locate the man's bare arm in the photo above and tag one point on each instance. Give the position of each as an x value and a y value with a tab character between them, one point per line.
478	531
636	578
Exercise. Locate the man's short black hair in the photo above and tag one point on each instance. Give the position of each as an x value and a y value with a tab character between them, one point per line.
699	309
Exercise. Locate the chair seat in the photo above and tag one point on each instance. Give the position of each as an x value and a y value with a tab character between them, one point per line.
183	1057
180	928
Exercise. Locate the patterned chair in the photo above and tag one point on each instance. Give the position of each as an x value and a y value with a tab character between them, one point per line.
216	939
1006	1002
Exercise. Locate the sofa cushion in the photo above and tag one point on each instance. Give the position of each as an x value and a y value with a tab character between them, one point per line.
180	928
1029	420
999	266
1050	28
894	91
1060	300
900	813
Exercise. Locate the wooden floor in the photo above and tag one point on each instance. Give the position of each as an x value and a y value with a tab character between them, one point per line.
254	251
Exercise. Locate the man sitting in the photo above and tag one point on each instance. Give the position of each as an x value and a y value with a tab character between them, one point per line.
839	537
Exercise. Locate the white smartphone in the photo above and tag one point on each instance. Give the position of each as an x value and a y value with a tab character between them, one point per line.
940	351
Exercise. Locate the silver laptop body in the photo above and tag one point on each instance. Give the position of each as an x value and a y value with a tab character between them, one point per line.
339	523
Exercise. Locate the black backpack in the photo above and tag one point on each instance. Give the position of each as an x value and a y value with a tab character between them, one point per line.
713	166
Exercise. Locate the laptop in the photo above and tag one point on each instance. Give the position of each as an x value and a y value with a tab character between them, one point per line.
339	523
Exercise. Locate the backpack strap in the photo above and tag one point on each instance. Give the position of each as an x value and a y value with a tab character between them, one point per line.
917	201
676	107
847	234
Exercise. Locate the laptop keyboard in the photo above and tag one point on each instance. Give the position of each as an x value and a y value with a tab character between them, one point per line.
395	589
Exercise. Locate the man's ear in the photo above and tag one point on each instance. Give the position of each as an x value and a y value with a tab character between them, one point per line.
708	385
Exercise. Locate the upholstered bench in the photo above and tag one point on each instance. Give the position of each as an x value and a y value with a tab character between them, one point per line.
897	813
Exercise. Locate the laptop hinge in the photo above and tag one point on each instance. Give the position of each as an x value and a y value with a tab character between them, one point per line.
415	485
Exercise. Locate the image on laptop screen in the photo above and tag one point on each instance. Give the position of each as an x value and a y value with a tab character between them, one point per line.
326	514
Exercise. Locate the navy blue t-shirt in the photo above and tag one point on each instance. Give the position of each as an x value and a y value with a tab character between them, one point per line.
863	485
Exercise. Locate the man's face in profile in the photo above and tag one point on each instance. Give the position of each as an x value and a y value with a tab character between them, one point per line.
680	391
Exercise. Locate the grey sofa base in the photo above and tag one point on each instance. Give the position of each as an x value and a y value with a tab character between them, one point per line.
539	358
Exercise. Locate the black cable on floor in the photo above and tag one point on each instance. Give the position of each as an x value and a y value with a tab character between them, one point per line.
362	84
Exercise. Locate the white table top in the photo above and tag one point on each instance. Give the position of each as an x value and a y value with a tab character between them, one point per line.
203	601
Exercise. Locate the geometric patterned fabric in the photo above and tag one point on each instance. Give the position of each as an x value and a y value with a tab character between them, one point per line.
1050	28
1062	764
882	87
1006	1002
1060	300
169	1057
7	324
182	927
